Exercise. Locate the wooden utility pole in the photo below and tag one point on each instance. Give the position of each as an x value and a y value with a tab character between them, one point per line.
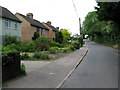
80	26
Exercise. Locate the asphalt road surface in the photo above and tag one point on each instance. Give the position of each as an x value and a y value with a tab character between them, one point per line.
99	69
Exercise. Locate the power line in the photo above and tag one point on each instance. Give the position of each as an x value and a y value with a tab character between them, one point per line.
75	8
78	17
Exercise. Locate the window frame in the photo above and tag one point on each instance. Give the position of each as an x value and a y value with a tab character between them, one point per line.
15	26
7	23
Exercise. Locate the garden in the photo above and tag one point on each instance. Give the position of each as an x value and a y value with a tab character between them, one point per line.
39	49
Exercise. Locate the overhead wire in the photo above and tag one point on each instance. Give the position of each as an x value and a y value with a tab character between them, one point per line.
75	8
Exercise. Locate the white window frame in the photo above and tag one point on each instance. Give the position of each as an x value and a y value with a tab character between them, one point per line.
7	24
15	26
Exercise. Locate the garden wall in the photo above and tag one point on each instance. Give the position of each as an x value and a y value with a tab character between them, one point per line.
10	66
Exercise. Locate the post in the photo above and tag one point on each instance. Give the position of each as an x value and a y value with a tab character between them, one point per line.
80	25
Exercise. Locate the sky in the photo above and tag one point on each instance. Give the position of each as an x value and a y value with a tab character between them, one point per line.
60	12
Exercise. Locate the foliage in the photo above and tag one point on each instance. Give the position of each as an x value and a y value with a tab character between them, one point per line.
29	47
109	11
23	69
100	31
54	44
43	47
53	50
76	44
42	40
37	55
68	50
80	40
59	37
45	57
36	35
7	49
7	40
24	56
66	35
71	47
89	21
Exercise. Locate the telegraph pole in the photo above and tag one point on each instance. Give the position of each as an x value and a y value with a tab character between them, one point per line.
80	25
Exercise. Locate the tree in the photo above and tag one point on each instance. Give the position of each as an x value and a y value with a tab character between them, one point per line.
66	35
109	11
89	21
59	37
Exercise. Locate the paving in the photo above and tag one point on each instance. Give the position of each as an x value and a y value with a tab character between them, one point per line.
99	69
48	74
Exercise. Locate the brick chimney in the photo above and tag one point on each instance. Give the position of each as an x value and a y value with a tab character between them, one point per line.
49	22
30	15
57	28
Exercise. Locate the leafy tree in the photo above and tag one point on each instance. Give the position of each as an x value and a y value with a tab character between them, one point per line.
100	31
89	21
109	11
66	35
59	37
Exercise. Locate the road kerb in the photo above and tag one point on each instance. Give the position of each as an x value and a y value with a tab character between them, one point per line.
73	68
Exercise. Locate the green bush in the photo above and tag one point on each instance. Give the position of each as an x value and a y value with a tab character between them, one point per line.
43	47
7	40
67	50
53	50
71	47
45	56
36	35
12	47
37	55
81	41
55	44
76	44
24	56
23	69
29	47
42	40
7	49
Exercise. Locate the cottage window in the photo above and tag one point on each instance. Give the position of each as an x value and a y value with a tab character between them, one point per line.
7	24
43	31
16	26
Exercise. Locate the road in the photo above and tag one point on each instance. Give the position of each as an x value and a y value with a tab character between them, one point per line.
99	69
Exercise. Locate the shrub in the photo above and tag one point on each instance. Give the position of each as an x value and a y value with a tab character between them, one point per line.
24	56
29	47
12	47
67	50
7	40
53	50
6	50
45	56
23	69
43	47
71	47
36	35
42	40
76	44
37	55
81	41
53	44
